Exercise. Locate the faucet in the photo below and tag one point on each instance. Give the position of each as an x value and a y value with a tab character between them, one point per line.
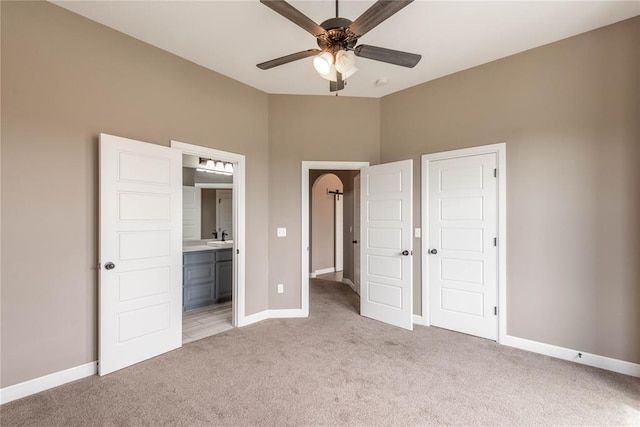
224	234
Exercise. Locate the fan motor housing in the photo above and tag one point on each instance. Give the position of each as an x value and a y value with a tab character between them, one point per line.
338	36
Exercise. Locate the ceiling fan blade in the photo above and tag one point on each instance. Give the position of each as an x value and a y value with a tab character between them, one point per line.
396	57
376	14
289	58
338	84
294	15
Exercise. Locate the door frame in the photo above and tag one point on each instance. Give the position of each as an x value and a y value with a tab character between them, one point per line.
338	232
238	317
304	238
500	150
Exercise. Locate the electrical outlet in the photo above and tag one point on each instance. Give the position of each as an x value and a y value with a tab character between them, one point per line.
282	232
280	288
417	232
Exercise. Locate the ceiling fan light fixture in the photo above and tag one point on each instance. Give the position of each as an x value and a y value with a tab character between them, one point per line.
323	63
345	61
339	37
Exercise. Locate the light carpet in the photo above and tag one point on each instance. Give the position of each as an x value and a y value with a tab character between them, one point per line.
338	368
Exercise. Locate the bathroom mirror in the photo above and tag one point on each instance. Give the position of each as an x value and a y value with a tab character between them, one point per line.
207	199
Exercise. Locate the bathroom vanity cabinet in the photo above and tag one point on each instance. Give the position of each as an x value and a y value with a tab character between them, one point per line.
207	277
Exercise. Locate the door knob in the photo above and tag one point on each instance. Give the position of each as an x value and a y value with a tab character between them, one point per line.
433	251
109	266
354	242
405	253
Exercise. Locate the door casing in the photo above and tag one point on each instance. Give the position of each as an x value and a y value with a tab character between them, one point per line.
500	150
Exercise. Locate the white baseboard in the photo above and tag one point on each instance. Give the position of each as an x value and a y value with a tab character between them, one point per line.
254	318
283	314
351	285
324	271
602	362
272	314
419	320
46	382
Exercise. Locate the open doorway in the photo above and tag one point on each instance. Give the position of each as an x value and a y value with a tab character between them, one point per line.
326	224
345	171
207	247
213	239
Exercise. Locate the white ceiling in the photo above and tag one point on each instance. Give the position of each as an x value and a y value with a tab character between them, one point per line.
231	37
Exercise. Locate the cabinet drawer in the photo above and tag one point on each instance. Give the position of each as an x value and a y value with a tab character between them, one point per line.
224	255
199	273
198	257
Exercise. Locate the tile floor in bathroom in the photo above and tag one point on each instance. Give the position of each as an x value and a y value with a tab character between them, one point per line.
206	321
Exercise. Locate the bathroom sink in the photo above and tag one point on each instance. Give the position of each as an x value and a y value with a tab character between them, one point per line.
220	243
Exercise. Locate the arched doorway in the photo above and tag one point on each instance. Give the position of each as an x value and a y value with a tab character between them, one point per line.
327	196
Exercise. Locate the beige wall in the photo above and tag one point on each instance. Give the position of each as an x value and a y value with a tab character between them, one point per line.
569	114
322	221
308	128
65	79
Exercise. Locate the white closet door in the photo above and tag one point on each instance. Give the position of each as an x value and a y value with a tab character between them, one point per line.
462	260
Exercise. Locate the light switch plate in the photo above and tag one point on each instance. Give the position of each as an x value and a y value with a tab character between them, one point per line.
280	288
282	232
417	232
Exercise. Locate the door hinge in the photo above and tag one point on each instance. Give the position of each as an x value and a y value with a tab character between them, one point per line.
495	311
237	251
495	173
495	241
99	266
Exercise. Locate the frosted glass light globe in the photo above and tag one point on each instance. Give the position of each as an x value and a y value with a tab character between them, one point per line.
322	63
345	61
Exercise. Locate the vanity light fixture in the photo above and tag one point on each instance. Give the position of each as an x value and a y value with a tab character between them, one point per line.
217	167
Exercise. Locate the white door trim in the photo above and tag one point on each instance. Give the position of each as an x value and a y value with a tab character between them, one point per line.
500	150
304	240
239	171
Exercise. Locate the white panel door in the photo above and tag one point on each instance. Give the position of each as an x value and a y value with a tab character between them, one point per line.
386	291
462	254
140	252
356	232
191	213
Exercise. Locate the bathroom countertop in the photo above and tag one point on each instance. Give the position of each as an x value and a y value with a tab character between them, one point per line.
200	248
192	246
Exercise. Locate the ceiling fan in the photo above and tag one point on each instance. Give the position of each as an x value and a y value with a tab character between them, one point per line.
337	38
